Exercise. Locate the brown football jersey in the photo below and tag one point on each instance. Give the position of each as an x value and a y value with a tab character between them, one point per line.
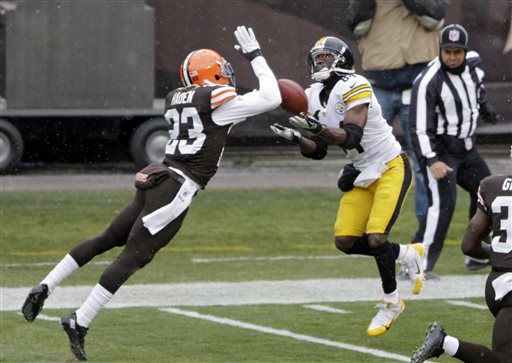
495	200
196	143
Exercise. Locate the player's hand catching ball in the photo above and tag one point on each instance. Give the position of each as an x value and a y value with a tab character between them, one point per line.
308	122
286	133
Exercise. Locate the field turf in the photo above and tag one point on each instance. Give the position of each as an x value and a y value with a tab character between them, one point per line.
230	236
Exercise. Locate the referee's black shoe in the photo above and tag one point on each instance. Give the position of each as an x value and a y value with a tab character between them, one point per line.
34	302
76	335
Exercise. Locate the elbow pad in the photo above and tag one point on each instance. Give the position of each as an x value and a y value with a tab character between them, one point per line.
354	136
321	149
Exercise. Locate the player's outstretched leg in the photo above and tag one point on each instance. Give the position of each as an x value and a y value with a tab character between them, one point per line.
387	315
34	302
432	346
76	335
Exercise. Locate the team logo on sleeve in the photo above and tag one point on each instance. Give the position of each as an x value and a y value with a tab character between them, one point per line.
339	108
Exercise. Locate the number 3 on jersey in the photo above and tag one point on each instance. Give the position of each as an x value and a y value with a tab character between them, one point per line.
505	224
186	133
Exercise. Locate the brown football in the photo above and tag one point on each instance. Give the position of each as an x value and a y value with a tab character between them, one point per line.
294	99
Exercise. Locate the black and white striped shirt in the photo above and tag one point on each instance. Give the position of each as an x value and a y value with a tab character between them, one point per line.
443	103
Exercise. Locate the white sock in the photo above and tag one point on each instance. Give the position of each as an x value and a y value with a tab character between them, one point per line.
391	297
401	254
98	297
450	345
63	269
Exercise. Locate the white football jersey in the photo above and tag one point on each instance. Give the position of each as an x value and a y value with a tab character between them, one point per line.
378	142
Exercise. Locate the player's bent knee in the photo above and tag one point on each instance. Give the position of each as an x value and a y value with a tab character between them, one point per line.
344	243
376	240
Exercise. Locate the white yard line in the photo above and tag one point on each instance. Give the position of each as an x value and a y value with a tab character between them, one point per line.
45	317
467	304
205	260
272	258
250	293
326	309
40	264
288	334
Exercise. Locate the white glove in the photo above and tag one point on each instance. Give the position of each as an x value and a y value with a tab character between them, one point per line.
247	44
307	122
286	133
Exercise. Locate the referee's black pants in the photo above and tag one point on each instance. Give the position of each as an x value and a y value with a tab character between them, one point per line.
469	169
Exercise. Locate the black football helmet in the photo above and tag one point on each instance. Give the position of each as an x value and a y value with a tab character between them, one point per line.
328	49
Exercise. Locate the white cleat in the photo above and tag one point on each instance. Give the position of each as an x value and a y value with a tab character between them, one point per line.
413	261
387	315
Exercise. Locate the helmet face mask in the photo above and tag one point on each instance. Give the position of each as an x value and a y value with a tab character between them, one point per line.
227	71
321	62
328	55
205	67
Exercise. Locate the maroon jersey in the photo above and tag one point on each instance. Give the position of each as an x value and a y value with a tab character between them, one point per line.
196	142
495	200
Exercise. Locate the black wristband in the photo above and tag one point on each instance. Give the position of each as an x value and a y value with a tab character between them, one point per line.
432	160
251	55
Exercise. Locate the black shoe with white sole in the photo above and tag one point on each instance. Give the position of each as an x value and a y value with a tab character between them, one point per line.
432	346
76	335
34	302
474	264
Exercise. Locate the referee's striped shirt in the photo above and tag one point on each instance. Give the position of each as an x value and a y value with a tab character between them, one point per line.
443	103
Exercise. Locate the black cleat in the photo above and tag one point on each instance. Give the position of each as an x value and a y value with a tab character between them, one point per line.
474	264
34	302
430	276
432	346
76	335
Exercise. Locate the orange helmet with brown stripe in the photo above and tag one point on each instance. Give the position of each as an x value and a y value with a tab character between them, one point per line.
206	67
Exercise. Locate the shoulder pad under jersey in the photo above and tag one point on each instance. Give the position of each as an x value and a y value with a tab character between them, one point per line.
221	94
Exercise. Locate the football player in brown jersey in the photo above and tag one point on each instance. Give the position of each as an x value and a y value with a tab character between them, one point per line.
200	116
494	213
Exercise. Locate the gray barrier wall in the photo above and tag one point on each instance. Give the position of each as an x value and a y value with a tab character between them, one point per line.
79	54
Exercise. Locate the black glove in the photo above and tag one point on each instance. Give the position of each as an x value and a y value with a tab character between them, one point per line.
359	15
286	133
435	9
487	114
307	122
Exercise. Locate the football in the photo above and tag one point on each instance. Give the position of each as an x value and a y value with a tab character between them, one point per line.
294	99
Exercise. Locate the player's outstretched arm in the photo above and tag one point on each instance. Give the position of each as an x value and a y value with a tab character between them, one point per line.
248	45
264	99
286	133
313	148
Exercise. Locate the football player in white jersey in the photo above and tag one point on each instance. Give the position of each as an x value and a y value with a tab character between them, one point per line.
342	110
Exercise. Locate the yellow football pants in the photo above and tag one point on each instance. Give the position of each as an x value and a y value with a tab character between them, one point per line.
376	208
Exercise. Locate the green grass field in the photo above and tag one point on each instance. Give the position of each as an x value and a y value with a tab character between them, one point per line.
260	228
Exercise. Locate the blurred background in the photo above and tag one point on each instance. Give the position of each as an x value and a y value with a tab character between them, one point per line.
84	81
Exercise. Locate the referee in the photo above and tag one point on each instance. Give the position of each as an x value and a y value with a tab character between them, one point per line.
447	98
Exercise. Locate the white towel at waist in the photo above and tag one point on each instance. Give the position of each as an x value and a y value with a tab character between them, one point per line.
502	285
161	217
